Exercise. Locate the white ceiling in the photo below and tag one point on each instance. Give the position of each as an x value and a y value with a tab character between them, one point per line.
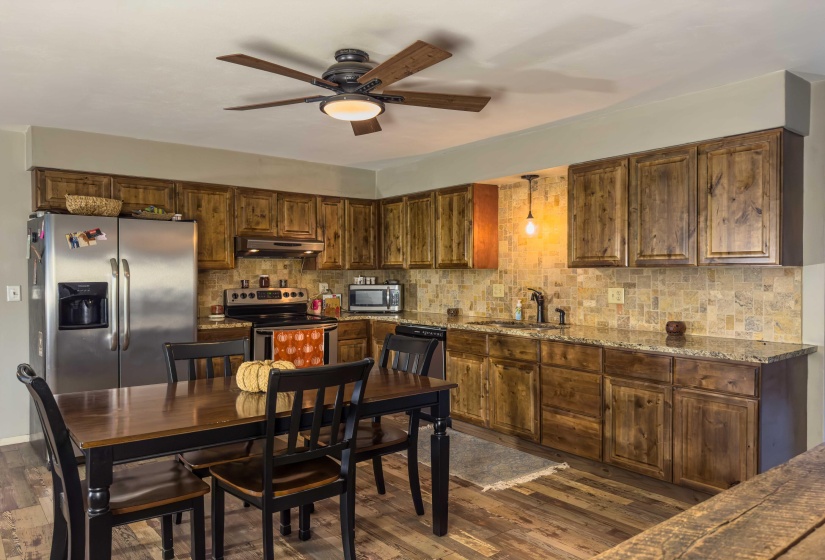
147	69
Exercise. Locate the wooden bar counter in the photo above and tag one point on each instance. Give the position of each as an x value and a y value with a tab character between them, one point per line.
778	514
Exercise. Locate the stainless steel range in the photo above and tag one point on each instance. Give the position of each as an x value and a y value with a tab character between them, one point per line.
277	309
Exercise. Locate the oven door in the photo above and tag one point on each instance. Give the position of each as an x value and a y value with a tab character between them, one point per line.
262	341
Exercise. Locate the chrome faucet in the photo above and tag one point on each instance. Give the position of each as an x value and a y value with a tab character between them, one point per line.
538	297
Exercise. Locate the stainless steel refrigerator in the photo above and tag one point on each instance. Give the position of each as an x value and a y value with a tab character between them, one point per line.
104	295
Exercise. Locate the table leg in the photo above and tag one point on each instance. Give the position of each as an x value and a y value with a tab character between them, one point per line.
440	463
98	516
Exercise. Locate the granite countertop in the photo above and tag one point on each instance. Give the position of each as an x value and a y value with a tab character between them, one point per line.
208	324
697	346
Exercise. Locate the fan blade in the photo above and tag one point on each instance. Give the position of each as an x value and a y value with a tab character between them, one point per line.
258	64
365	127
416	57
276	103
452	101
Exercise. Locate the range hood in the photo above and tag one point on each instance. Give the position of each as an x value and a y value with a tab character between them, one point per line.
276	248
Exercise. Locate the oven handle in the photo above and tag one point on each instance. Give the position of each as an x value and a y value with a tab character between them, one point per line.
268	330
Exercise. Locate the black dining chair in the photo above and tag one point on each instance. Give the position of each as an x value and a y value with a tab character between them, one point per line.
375	439
299	475
201	460
157	489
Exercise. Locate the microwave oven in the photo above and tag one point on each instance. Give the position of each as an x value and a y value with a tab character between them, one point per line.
376	298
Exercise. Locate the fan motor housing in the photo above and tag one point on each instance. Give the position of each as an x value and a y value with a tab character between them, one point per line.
351	64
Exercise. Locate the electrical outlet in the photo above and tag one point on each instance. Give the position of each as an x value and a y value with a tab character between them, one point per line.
12	293
615	295
498	290
323	286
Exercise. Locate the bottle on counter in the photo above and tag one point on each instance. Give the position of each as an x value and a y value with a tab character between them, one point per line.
519	311
263	280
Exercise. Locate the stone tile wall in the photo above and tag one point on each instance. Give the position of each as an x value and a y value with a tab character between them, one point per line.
756	303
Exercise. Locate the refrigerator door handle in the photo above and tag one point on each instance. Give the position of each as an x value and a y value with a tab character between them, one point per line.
113	306
127	331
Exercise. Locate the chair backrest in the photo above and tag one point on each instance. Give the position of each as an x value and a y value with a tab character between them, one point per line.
65	474
329	386
409	354
193	351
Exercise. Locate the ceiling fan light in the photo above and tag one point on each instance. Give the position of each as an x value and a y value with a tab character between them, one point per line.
352	107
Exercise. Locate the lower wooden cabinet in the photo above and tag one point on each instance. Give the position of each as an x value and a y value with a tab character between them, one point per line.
714	439
380	330
574	433
571	412
468	402
514	397
353	341
637	426
220	335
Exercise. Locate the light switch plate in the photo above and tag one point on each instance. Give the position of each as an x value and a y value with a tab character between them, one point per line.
498	290
12	293
323	287
615	295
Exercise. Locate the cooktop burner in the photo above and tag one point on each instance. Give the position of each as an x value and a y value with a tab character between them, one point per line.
272	307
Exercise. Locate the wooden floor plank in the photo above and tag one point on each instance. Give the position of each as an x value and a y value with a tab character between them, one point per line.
572	514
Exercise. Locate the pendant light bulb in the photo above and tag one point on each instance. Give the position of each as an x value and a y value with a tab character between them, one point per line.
530	228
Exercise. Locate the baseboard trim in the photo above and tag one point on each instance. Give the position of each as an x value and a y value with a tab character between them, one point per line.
13	440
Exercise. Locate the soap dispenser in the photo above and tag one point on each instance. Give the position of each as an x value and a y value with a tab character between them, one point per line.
518	311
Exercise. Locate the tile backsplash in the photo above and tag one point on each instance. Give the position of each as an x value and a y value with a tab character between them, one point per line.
750	302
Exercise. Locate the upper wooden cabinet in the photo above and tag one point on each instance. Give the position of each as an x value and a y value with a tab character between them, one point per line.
256	212
51	187
662	208
361	234
420	249
750	207
393	232
213	207
466	227
297	215
597	214
331	228
137	194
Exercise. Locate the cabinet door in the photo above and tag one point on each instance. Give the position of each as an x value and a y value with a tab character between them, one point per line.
352	350
213	207
393	233
331	232
597	214
217	335
257	212
714	440
637	426
420	226
662	208
361	234
739	203
514	398
296	215
51	187
468	402
137	194
454	227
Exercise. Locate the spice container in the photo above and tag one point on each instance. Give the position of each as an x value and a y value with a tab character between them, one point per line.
263	280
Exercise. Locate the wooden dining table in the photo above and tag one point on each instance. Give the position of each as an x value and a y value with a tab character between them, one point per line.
134	423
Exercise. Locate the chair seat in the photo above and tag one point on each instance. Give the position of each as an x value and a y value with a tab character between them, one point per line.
246	475
150	485
370	435
211	456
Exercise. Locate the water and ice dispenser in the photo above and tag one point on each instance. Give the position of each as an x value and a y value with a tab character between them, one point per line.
83	305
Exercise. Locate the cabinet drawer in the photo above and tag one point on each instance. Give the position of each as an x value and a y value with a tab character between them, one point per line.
574	391
349	330
514	348
570	432
571	355
715	376
467	342
639	365
219	335
380	330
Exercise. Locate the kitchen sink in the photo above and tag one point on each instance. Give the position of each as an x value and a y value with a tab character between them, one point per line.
518	325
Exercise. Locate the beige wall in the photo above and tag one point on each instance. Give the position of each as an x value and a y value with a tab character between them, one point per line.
15	194
102	153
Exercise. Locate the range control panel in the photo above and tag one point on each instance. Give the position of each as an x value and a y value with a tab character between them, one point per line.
265	296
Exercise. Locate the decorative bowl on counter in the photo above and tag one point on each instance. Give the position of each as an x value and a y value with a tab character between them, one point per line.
675	327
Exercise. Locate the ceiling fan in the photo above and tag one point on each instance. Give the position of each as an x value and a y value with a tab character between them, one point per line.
354	79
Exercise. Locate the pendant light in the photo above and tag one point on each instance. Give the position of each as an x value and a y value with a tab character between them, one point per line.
530	228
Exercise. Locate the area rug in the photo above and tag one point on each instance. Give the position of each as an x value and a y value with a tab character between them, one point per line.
487	464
